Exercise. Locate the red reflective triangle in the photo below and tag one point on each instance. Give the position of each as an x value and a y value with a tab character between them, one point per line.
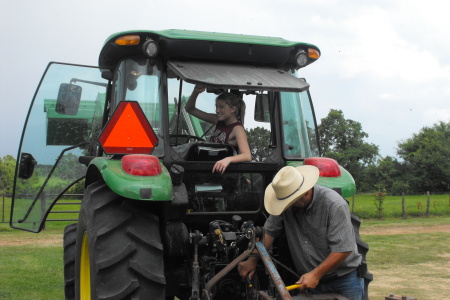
128	131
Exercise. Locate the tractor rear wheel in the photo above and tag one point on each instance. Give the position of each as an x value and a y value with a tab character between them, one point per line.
70	235
119	254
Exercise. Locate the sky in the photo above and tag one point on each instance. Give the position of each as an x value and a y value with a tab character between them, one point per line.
385	64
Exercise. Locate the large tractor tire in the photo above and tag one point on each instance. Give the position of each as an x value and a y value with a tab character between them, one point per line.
363	248
70	235
119	254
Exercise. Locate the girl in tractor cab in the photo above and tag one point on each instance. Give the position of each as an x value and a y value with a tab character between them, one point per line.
229	119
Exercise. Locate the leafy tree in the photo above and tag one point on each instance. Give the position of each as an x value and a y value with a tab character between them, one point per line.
7	169
259	140
379	201
343	139
77	188
426	157
387	174
69	168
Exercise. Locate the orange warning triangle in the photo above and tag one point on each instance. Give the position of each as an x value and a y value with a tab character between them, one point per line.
128	131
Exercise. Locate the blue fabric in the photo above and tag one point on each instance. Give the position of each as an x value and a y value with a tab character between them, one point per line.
350	286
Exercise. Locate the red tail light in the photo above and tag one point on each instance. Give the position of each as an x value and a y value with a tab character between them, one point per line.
141	165
328	167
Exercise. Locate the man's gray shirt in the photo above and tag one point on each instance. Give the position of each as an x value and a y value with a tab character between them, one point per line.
324	227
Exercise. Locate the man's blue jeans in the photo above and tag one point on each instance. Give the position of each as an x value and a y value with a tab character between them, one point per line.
349	285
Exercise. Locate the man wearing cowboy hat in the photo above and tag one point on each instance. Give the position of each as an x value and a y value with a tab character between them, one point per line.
317	224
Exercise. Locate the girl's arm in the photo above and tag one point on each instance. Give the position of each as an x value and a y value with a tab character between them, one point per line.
191	109
244	149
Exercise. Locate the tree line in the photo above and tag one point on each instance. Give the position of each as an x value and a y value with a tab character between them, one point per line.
423	162
68	170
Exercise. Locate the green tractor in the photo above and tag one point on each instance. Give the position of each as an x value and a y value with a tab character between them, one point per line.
155	222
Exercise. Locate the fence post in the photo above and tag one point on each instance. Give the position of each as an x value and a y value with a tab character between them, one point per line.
43	198
428	204
3	208
353	203
403	206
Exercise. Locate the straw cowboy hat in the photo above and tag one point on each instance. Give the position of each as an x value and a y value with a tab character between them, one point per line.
288	185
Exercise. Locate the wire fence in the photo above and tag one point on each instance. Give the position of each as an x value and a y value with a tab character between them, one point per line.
364	206
379	205
66	208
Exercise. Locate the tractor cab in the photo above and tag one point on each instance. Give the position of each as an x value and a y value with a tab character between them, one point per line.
73	105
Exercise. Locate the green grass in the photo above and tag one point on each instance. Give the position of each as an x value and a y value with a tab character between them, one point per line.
36	275
415	206
31	264
407	249
413	263
5	206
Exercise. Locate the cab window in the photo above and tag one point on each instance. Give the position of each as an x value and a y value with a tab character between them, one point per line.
139	80
298	125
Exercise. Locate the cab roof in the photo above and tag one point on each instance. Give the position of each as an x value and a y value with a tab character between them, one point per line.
212	36
202	45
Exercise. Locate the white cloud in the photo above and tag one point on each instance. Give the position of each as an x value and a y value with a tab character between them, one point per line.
387	96
373	45
434	115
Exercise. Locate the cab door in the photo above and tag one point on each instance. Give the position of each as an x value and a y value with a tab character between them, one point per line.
63	123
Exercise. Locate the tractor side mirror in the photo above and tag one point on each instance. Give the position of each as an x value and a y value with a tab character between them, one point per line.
26	167
262	109
68	100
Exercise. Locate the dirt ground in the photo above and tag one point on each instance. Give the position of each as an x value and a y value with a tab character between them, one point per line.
404	230
434	280
31	239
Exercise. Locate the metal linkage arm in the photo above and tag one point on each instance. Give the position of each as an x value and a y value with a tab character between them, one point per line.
270	266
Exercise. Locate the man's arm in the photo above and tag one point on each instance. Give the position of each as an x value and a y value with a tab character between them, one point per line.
333	261
248	267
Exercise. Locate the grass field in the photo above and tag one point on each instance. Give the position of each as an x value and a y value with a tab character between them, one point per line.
407	257
31	264
415	206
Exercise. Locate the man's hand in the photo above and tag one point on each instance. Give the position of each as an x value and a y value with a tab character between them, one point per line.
247	268
311	280
308	281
